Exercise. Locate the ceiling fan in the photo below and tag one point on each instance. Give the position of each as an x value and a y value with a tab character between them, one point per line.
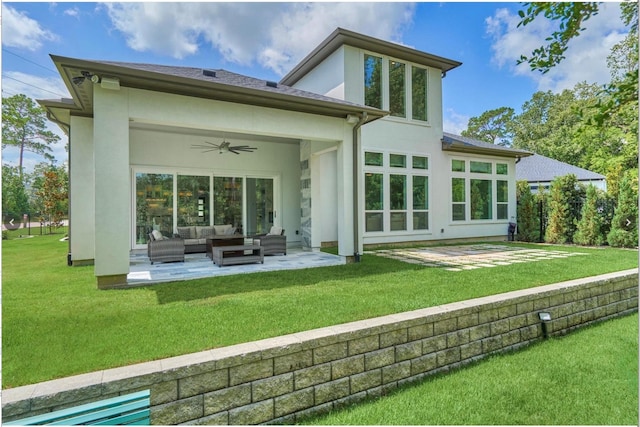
224	147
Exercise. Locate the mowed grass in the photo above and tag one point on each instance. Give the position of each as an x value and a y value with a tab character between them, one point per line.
589	377
56	323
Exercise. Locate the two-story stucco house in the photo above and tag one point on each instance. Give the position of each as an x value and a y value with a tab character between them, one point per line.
349	148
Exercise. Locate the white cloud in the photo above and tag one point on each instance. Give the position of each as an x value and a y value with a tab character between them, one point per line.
35	87
585	59
454	122
74	12
18	30
274	35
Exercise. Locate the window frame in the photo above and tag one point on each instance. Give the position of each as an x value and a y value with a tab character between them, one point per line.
408	172
386	68
498	209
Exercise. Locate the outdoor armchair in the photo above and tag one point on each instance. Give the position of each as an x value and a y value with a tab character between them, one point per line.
274	242
163	249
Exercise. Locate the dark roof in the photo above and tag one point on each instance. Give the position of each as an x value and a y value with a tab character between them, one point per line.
462	144
204	83
225	77
345	37
538	168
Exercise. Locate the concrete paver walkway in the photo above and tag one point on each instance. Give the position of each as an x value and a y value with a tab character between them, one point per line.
469	257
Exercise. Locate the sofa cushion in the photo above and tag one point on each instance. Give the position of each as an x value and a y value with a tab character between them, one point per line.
222	229
188	242
204	232
230	231
186	232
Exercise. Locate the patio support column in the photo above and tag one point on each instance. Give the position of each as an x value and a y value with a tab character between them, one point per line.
345	195
112	186
81	192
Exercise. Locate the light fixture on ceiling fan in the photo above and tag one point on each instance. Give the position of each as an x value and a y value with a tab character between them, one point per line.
224	147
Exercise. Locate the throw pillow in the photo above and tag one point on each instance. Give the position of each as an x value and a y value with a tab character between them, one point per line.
275	231
206	232
157	235
184	232
230	232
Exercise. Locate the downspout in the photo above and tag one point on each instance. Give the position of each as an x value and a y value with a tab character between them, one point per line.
356	205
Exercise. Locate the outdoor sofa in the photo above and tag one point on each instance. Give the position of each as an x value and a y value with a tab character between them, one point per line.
195	236
274	242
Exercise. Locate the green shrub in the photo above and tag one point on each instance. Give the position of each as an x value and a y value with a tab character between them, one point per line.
5	235
528	217
588	232
562	218
624	225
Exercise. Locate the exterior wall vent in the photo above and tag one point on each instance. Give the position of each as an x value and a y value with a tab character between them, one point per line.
272	84
208	73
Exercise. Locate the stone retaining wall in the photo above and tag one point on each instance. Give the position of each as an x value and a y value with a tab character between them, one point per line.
283	379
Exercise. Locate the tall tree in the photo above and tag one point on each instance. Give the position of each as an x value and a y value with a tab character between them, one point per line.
571	18
493	126
624	226
24	126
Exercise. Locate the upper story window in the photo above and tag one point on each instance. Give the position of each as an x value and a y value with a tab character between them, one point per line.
397	93
396	86
373	81
419	93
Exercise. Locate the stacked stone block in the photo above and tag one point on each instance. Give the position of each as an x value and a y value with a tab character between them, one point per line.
285	379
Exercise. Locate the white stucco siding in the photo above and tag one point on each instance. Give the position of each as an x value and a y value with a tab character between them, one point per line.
81	201
112	182
196	113
327	78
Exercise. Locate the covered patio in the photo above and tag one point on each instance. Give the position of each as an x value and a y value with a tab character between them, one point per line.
198	266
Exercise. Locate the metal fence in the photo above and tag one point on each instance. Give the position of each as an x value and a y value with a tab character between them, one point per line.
31	223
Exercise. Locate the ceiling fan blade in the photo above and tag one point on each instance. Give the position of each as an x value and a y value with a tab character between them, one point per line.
231	150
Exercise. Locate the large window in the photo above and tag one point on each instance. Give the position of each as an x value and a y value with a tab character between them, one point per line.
420	202
419	94
477	193
166	200
373	81
502	188
396	86
193	200
481	199
398	201
397	90
227	205
396	192
373	201
154	205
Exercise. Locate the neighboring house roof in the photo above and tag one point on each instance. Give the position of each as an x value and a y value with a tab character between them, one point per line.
210	84
345	37
538	168
462	144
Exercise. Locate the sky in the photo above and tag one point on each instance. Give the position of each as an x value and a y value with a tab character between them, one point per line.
265	40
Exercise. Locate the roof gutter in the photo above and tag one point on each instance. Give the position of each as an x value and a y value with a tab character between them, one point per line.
356	205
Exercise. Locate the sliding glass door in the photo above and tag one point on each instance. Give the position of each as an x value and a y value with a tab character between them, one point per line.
166	200
154	205
260	207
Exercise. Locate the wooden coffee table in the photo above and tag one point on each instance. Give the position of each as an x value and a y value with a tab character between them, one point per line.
216	241
234	255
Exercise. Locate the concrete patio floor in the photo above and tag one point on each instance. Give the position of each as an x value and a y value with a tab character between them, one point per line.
197	266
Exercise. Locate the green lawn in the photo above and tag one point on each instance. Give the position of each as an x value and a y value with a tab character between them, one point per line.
589	377
56	323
